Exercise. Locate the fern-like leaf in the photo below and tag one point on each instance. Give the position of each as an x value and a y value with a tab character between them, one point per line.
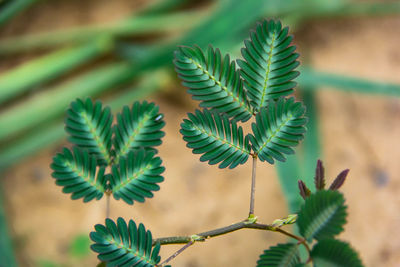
138	127
213	81
124	245
279	126
322	215
282	255
136	176
89	127
334	253
79	174
217	138
269	63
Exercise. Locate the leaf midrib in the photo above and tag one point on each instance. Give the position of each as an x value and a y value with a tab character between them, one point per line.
242	104
87	179
321	220
127	145
134	176
268	71
275	133
220	139
130	250
97	138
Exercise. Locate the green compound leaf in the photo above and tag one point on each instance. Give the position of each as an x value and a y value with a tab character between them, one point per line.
136	176
269	63
334	253
282	255
138	127
279	126
89	126
217	138
77	172
124	245
213	81
322	215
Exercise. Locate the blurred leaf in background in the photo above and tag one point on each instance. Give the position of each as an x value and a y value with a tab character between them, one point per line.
80	246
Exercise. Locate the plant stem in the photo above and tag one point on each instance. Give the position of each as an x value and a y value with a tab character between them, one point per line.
201	237
108	205
300	239
253	186
173	256
213	233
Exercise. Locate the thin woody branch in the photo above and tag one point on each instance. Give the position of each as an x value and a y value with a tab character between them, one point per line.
246	224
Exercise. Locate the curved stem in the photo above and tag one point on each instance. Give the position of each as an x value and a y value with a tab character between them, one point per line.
108	205
173	256
220	231
253	186
201	237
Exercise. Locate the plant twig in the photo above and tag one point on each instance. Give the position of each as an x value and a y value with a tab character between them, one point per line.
253	186
220	231
246	224
108	205
173	256
298	238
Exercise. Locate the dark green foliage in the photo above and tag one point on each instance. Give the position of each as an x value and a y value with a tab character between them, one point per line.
282	255
322	215
138	126
334	253
279	126
79	174
136	176
217	138
124	245
213	81
89	126
135	169
269	63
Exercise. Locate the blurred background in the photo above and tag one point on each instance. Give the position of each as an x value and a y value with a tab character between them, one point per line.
52	52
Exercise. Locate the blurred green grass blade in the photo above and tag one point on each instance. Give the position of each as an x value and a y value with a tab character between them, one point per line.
34	142
162	6
213	29
131	26
355	8
311	79
312	142
7	256
288	174
50	133
48	67
301	166
50	103
13	8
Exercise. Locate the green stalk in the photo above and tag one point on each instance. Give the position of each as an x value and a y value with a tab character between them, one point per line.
310	79
48	67
6	249
312	142
288	174
162	6
48	134
137	25
50	103
13	8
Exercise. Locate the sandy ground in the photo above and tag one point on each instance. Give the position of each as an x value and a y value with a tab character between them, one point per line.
359	132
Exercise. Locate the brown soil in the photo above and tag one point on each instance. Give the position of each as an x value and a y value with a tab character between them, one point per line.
359	132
